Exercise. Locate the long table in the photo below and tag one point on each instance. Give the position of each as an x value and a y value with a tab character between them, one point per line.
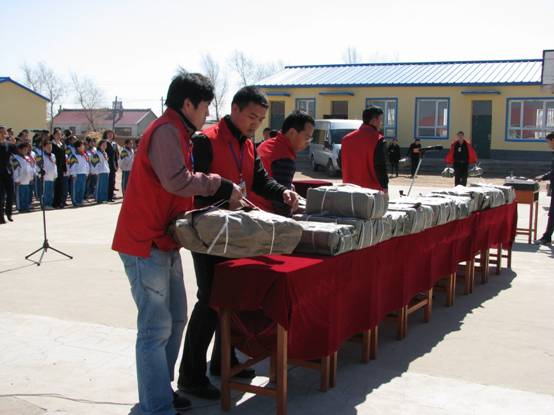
315	303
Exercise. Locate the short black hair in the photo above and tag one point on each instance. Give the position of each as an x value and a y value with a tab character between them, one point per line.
273	133
460	132
371	113
78	143
192	86
266	129
250	94
23	145
550	136
105	134
66	133
297	120
127	141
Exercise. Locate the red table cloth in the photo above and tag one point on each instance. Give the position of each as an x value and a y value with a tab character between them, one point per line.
322	301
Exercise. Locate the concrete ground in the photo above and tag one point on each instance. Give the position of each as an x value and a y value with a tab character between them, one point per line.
67	331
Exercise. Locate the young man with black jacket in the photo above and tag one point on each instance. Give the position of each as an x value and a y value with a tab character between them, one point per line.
61	182
394	156
113	157
225	149
546	238
6	176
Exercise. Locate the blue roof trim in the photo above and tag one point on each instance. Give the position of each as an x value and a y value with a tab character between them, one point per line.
393	85
411	63
8	79
480	92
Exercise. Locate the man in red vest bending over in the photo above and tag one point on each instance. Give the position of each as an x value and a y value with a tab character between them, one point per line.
363	153
162	186
225	149
278	156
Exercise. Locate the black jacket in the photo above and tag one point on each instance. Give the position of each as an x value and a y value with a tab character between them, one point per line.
59	153
6	150
394	153
550	174
113	155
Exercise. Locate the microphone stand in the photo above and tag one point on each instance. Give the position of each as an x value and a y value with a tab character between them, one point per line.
45	244
422	152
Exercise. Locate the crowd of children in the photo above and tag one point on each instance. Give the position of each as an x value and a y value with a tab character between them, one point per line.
84	174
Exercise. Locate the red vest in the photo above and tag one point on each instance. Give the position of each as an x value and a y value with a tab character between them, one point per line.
357	155
227	155
276	148
148	208
471	155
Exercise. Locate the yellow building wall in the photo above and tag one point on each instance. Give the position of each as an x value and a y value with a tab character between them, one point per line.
21	109
460	109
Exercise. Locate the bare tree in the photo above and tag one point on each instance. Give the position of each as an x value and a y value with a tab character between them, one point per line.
90	97
219	80
249	71
351	55
44	80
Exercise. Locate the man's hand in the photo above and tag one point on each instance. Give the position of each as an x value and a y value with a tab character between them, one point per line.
290	198
235	198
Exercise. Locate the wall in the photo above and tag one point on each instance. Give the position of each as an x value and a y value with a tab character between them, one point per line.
460	110
21	109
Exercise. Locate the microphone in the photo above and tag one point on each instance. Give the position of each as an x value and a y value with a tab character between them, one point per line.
430	148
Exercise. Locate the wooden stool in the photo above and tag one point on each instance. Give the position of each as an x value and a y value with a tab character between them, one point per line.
449	288
370	339
496	255
402	320
482	260
531	198
468	275
327	366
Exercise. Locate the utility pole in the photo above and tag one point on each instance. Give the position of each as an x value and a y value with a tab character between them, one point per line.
117	106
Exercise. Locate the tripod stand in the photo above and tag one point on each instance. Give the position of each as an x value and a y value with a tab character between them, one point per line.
45	244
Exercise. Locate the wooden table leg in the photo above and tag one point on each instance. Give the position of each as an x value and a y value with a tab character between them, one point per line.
485	266
499	259
333	371
510	258
402	322
467	278
366	348
536	219
429	307
531	221
281	365
225	327
374	343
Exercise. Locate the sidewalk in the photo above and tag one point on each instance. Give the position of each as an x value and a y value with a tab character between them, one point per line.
67	336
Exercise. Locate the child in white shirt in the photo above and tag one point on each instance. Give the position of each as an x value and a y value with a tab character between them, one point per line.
79	170
23	175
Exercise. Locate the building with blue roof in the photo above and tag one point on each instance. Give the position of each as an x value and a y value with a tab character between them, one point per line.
504	106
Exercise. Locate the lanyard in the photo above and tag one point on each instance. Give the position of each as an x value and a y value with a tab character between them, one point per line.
238	161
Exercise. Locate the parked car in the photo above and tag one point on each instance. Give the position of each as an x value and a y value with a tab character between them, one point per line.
326	144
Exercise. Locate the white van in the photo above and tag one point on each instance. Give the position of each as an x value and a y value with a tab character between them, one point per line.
326	143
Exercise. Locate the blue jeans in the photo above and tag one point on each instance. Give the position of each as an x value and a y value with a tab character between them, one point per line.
91	185
46	194
124	180
79	184
101	194
23	197
159	292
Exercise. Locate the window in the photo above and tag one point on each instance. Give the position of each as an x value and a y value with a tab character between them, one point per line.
432	118
276	114
339	109
123	131
529	119
319	136
389	107
307	105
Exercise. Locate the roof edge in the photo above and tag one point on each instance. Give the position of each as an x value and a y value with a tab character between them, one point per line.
8	79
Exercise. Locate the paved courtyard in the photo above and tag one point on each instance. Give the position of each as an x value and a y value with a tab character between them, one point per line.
67	332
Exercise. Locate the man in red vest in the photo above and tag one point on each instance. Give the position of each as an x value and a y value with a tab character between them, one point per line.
162	186
461	155
278	156
363	153
226	149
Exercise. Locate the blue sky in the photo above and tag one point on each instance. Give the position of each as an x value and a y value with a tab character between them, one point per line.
132	48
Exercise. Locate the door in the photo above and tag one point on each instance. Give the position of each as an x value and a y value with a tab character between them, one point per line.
339	109
277	114
481	128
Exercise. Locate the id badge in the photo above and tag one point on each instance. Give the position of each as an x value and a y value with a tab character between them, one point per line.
242	186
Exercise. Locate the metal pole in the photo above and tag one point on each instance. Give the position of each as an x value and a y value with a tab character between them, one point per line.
114	107
415	174
162	104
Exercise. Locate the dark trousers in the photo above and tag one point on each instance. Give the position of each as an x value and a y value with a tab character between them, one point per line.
394	168
201	327
59	191
415	161
111	185
460	173
550	225
6	195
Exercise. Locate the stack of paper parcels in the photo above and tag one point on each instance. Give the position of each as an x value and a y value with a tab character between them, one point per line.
508	192
463	204
236	234
480	198
326	238
400	223
368	232
444	210
420	217
347	201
